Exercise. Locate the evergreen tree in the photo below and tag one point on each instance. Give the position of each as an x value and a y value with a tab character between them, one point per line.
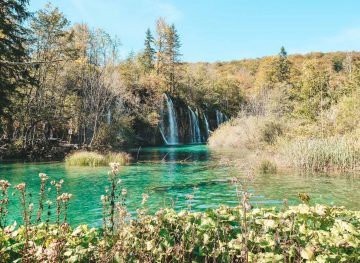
283	68
12	51
172	54
149	52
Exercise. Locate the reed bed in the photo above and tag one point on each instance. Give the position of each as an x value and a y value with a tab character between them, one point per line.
93	159
324	154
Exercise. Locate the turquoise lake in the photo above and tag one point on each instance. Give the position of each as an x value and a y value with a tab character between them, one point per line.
167	175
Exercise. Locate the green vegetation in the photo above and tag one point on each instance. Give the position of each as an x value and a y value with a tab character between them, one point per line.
314	233
83	158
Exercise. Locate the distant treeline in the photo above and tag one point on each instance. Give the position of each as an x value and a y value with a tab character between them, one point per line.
66	82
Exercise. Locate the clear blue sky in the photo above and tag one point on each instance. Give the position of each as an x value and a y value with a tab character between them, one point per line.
215	30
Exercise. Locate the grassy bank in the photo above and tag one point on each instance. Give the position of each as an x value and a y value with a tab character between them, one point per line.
84	158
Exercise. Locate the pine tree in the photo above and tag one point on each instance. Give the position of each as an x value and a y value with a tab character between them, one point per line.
172	54
149	52
283	68
12	49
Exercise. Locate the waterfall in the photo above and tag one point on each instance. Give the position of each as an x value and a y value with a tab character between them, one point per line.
220	117
170	135
108	117
194	126
191	125
207	130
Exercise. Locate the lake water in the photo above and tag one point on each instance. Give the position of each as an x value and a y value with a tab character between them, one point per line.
168	174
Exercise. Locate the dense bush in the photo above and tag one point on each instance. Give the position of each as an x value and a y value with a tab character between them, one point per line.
318	234
245	132
271	131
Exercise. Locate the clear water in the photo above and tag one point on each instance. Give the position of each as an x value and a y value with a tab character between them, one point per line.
168	174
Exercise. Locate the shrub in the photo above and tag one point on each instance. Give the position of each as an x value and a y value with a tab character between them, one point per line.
83	158
267	167
248	132
271	131
334	153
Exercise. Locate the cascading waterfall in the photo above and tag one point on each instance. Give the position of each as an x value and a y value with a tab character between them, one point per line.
220	117
191	125
108	117
207	130
171	134
194	125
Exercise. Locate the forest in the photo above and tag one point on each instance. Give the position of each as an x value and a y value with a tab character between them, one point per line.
64	82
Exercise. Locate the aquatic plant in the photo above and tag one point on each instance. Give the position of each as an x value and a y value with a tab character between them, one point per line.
84	158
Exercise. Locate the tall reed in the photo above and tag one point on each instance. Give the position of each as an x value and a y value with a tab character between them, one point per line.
324	154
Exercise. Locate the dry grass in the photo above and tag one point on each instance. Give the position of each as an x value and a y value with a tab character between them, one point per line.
335	153
237	133
83	158
250	132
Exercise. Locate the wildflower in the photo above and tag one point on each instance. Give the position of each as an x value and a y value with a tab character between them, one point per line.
114	167
31	207
64	197
43	177
48	202
245	202
52	182
124	191
145	197
159	212
20	187
4	185
104	198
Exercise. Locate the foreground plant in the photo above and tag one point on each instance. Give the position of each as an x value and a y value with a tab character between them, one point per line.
318	233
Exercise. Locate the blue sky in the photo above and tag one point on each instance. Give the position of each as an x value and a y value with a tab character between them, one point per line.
216	30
